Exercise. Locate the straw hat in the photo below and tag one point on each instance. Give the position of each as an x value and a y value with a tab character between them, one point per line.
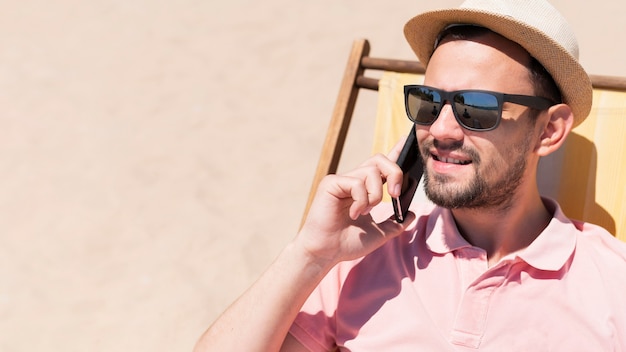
534	24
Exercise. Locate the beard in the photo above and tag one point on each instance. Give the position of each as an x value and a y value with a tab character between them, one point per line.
480	191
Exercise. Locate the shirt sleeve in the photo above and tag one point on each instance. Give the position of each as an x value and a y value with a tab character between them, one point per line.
315	324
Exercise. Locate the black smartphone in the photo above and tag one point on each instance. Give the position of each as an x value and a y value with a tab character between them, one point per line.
412	168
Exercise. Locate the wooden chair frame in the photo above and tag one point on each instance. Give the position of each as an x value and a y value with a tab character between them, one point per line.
354	80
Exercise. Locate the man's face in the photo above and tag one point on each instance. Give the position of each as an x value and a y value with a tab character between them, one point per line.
469	169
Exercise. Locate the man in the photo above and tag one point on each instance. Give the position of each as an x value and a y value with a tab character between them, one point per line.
493	266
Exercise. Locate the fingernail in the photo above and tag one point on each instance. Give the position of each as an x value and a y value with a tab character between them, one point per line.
397	189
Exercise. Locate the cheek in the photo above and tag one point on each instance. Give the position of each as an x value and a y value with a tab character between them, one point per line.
513	154
421	132
495	154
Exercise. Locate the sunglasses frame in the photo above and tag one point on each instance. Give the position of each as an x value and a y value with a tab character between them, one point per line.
535	102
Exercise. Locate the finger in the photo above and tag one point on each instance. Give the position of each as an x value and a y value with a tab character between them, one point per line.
373	182
344	186
392	228
360	197
386	167
389	171
361	187
382	232
394	153
351	188
395	180
375	173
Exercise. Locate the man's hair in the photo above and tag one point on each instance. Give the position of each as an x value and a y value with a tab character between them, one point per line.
543	83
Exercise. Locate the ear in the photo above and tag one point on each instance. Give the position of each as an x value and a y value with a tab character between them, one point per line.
557	127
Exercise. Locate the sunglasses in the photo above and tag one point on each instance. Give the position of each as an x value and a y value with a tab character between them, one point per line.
475	110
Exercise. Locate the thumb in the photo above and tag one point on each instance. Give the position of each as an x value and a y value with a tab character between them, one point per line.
392	228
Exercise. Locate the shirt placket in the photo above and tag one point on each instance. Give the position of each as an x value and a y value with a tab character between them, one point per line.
470	322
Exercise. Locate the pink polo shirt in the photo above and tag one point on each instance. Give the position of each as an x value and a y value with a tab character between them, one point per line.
430	290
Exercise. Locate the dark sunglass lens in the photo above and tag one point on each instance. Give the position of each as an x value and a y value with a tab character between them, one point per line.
477	110
423	105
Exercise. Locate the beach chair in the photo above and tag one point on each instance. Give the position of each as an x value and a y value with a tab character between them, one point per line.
587	176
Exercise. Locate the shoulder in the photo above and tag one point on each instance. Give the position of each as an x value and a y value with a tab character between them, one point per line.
598	242
599	260
591	241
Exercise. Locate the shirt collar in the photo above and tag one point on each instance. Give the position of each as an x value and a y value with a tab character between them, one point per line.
442	234
555	244
549	251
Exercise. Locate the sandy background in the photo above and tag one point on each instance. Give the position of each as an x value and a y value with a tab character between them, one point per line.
156	155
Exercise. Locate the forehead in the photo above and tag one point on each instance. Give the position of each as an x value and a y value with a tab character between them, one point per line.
488	61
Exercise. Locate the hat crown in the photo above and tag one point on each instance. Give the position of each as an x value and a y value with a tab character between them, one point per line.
538	14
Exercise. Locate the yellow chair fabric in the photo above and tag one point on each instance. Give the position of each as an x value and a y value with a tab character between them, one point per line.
587	176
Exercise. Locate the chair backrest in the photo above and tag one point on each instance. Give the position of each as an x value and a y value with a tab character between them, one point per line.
587	176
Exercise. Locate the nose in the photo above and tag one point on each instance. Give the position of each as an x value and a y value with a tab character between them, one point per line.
446	127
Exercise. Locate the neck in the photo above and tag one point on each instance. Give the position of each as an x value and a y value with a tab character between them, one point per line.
505	230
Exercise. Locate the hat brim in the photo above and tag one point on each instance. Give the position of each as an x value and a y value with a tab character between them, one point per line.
422	31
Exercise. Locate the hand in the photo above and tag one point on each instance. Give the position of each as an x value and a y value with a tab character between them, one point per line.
339	226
